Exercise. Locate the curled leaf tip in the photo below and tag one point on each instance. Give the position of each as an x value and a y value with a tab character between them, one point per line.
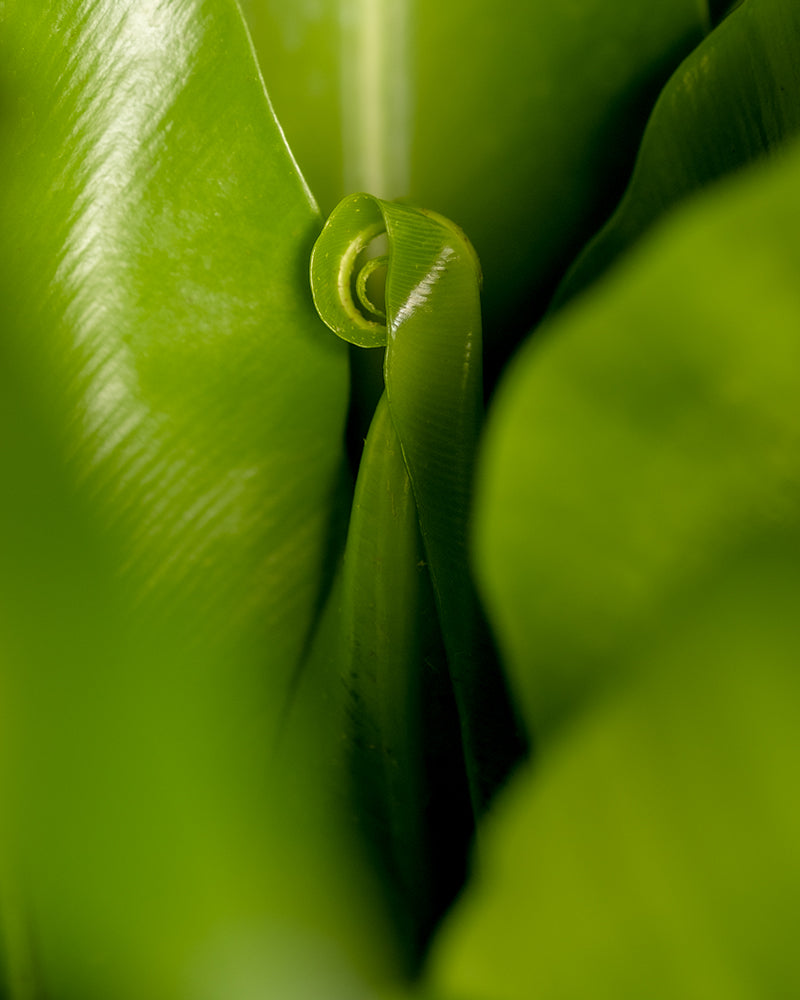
341	269
361	289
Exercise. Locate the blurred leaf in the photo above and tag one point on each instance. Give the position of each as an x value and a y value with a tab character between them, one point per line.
721	8
638	533
733	100
172	411
644	431
516	120
653	850
151	847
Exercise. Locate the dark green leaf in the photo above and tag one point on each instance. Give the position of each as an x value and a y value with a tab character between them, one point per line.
732	101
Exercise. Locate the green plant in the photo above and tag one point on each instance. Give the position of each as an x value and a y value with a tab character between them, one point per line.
194	804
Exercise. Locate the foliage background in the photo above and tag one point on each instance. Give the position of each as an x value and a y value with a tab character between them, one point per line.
174	490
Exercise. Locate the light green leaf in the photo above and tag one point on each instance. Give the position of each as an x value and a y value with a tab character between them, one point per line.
155	245
149	845
638	521
639	435
172	413
652	851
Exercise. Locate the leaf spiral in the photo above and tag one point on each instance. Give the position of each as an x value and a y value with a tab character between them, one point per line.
405	596
432	367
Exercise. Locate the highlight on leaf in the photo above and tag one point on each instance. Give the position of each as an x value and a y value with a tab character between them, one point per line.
428	419
350	270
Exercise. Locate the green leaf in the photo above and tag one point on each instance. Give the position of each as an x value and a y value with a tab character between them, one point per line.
156	239
407	598
652	852
379	663
432	332
172	414
300	51
638	436
732	101
150	845
516	120
637	536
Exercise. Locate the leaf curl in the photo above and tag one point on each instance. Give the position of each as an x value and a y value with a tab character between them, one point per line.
432	367
406	601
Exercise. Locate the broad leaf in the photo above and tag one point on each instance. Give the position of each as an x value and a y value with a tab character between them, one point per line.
156	237
149	846
638	537
638	436
171	443
653	850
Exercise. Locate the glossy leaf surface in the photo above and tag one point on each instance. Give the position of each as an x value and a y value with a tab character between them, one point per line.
171	442
516	120
150	844
432	369
732	101
156	235
407	597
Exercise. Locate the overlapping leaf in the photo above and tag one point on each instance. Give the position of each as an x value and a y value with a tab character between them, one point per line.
406	637
516	120
639	517
732	101
639	436
653	850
